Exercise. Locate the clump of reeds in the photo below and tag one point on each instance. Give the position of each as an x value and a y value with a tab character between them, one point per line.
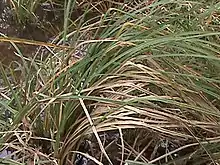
149	78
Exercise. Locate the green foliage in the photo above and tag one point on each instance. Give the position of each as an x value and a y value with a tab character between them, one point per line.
25	9
153	68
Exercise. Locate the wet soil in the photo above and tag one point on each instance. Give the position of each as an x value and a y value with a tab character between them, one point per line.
30	30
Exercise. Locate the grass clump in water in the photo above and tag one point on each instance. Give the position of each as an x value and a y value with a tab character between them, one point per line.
146	90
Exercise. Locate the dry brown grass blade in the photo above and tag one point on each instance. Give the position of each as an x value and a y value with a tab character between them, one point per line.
94	130
122	145
31	42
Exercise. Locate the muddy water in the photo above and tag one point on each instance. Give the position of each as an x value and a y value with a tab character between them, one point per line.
30	31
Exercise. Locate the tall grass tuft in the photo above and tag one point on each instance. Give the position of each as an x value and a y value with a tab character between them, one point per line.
146	90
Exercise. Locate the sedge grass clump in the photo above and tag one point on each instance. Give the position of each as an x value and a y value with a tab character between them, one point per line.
150	80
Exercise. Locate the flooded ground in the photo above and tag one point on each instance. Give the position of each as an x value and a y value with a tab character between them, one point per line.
31	31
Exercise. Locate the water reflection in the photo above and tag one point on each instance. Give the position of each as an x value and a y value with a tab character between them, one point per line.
5	154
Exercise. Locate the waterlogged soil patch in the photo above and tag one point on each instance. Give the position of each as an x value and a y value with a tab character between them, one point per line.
10	27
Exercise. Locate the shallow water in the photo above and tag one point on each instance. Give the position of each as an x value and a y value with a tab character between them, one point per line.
5	153
10	28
